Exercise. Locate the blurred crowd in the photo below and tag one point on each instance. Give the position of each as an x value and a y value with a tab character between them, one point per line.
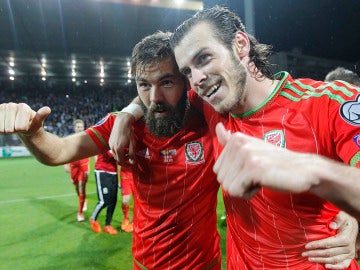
88	103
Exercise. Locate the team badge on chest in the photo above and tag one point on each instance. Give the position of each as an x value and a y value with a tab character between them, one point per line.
194	153
275	137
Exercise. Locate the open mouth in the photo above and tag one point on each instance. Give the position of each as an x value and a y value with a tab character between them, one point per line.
159	110
213	90
160	113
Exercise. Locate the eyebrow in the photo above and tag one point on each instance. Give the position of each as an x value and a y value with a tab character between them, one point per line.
198	52
165	76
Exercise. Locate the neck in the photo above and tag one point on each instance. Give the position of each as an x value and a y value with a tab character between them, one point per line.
256	91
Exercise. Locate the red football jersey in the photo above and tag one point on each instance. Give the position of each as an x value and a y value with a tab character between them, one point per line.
270	230
106	162
175	196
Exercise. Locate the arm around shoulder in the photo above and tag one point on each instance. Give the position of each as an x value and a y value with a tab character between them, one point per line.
121	141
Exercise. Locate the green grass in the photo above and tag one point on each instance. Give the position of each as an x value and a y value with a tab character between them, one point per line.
38	228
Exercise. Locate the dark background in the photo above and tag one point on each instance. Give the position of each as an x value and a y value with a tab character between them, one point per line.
89	30
326	28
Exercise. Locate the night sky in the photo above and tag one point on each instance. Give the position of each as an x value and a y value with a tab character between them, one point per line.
329	29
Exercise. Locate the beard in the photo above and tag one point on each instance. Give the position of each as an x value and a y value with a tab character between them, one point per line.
235	82
169	124
234	99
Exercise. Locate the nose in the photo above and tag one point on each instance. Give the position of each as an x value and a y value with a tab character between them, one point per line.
197	77
156	95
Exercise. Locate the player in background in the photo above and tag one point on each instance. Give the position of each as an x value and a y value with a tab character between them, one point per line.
79	173
106	177
127	188
343	74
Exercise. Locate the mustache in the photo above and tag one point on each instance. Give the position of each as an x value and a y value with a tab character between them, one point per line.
160	107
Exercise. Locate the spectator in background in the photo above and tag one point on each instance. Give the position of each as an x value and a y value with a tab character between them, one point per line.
79	172
106	178
127	188
67	106
343	74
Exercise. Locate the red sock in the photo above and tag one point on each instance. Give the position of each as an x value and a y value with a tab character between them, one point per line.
81	203
125	209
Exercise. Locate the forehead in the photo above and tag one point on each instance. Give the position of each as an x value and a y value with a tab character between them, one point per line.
198	38
157	70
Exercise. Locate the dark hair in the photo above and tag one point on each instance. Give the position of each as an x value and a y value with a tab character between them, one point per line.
152	48
225	25
343	74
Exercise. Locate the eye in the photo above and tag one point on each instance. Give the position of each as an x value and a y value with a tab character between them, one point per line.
143	86
203	59
167	83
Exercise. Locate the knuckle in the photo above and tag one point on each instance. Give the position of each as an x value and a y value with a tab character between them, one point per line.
328	254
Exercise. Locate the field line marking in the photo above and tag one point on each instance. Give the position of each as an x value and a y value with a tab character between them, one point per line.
42	198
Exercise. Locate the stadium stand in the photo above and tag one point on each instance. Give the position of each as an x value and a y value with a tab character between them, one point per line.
90	103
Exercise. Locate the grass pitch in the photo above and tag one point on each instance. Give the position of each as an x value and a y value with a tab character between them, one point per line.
38	228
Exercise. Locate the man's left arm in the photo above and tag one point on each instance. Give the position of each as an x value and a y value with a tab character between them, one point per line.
121	140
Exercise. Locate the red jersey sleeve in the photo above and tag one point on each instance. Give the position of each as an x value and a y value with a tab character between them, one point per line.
100	132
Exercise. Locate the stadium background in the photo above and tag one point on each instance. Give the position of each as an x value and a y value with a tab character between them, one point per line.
74	57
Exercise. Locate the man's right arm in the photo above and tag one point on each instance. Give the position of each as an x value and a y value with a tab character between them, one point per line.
247	163
48	148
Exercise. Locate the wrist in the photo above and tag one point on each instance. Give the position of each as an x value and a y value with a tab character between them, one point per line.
133	109
28	134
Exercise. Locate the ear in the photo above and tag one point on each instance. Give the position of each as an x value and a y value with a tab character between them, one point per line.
241	44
